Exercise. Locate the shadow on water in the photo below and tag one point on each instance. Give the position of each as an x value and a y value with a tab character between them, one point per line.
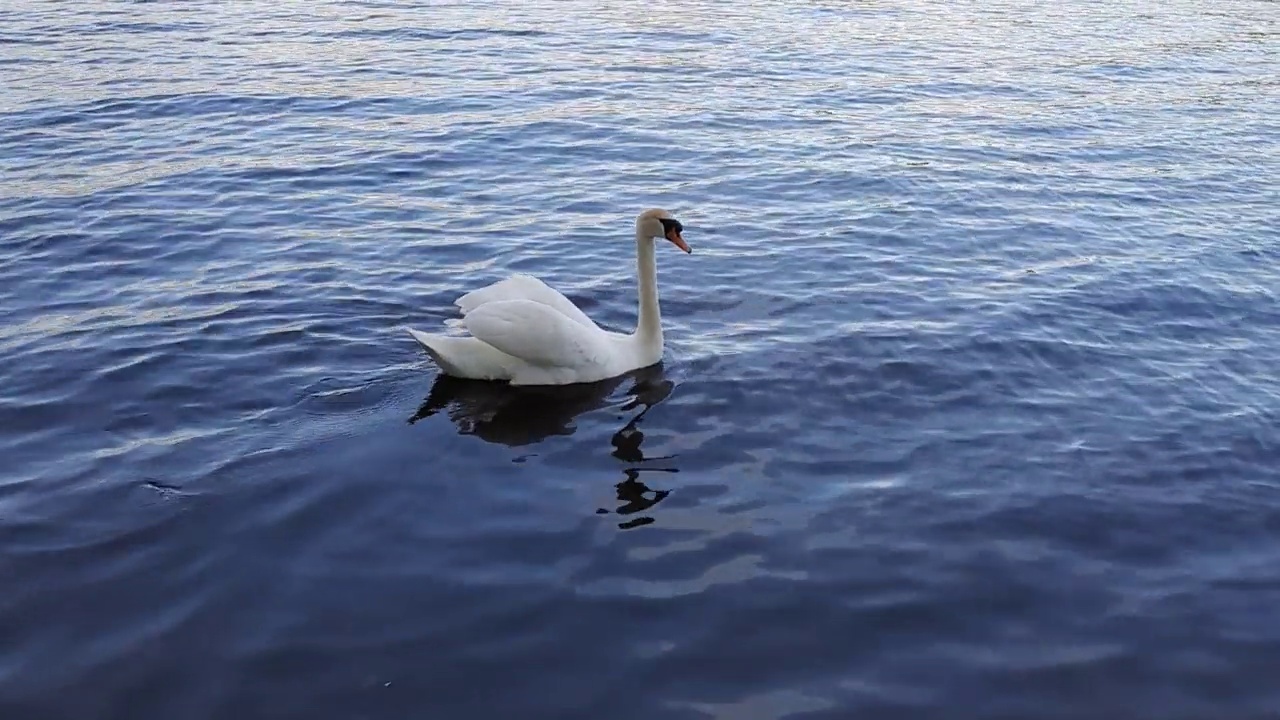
518	416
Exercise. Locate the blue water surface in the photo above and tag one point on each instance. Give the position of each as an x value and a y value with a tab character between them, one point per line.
968	409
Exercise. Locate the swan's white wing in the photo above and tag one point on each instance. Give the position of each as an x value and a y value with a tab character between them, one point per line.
538	334
523	287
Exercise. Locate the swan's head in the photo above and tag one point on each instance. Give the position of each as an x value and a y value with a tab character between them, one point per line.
658	223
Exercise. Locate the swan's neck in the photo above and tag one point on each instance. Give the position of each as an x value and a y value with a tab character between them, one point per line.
649	324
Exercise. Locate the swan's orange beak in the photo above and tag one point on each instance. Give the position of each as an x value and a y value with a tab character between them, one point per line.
674	236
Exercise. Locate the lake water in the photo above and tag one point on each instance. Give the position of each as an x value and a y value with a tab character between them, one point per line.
968	410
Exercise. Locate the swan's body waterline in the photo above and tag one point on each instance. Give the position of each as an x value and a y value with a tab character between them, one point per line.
527	333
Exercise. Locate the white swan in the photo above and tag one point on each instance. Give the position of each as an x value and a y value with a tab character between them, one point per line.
527	333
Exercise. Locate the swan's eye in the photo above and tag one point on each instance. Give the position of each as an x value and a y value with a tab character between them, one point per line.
668	225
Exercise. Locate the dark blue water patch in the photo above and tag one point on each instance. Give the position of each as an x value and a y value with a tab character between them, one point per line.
449	34
108	27
9	39
154	107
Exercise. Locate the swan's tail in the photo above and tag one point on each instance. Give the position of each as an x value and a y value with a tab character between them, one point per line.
432	344
464	357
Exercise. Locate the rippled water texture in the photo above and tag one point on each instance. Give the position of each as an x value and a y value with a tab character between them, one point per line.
968	410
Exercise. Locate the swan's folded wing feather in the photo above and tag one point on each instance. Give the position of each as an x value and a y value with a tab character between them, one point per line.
523	287
537	334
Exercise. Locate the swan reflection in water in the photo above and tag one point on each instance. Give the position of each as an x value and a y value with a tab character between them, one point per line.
517	416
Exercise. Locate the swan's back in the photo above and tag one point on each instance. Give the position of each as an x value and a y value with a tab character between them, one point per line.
524	287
